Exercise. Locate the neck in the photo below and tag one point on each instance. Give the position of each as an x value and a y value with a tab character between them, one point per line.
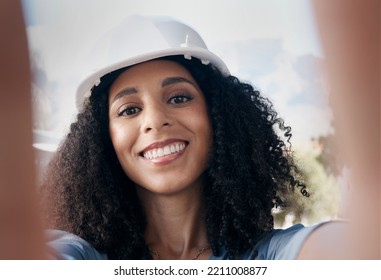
175	223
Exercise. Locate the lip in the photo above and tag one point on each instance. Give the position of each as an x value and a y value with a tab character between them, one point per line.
160	144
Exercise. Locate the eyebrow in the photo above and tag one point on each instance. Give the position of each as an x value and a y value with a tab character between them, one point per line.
123	92
166	82
174	80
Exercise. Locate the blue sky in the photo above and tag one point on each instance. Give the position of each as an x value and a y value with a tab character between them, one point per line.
270	43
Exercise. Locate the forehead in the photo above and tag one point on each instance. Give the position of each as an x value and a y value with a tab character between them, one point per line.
149	72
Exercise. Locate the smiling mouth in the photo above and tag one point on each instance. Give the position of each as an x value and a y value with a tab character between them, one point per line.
173	148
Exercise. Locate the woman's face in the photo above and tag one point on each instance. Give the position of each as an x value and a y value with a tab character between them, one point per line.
159	126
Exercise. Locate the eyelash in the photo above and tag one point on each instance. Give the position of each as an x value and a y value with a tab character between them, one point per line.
182	96
137	109
126	109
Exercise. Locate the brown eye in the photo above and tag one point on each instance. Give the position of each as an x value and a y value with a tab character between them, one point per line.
178	99
129	111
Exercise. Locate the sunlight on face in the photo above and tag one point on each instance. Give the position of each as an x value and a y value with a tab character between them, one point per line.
159	126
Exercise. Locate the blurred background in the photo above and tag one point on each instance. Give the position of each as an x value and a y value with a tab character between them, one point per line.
272	44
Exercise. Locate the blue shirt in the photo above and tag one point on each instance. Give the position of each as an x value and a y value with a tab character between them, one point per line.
279	244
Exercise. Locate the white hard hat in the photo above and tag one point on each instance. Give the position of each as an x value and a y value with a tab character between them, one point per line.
138	39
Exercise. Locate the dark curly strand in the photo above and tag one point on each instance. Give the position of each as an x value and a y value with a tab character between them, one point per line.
251	167
86	189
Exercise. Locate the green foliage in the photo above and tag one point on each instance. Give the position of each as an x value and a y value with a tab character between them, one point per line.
323	203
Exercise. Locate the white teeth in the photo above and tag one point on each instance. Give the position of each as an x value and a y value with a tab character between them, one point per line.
164	151
173	149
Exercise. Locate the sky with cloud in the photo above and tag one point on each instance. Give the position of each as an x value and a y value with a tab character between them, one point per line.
272	44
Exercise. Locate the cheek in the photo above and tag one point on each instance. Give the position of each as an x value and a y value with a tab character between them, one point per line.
204	126
121	139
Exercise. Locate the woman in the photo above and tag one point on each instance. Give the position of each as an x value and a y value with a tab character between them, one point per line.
171	158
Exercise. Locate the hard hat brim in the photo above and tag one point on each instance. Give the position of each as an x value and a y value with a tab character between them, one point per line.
206	57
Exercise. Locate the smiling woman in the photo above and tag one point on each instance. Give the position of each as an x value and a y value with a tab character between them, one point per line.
171	157
167	111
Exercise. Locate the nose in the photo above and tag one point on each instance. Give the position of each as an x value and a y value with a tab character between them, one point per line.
155	118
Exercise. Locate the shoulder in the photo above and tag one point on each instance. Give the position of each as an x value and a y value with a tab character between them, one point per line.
284	244
63	245
278	244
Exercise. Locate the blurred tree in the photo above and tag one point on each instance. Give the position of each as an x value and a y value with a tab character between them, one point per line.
322	184
328	158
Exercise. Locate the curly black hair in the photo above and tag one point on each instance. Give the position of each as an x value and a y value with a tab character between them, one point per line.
251	169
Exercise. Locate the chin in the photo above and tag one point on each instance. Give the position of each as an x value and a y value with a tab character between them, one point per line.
168	188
